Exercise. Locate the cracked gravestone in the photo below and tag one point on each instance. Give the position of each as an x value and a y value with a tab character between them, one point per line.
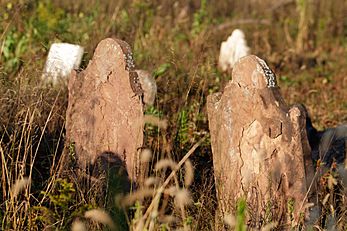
259	144
105	110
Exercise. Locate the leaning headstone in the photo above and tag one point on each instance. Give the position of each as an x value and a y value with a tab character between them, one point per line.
61	60
260	148
105	110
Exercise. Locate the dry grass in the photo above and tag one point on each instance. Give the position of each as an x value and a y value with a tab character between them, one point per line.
179	44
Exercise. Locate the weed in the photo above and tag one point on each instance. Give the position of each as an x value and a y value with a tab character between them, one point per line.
241	215
200	18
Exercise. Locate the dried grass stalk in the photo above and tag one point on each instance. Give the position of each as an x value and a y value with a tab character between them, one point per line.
168	219
189	173
325	199
269	226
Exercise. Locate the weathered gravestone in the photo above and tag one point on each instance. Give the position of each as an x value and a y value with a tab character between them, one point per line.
259	144
105	111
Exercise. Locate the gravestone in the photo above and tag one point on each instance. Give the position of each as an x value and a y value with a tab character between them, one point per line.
231	50
148	85
61	60
105	110
259	144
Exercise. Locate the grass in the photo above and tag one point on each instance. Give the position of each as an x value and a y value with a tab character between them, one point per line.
178	43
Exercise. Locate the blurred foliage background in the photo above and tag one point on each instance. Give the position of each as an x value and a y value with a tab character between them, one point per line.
303	41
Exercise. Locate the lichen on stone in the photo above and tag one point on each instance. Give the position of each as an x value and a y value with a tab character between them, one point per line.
269	75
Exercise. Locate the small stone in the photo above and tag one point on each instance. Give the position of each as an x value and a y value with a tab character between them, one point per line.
148	85
62	59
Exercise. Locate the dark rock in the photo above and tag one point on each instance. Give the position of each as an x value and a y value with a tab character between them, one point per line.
329	145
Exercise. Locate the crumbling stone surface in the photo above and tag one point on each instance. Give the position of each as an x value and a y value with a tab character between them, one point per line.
259	144
104	114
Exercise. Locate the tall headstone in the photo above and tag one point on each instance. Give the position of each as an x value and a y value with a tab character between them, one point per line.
105	110
259	144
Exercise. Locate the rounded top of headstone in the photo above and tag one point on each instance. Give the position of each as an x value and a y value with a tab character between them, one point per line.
253	72
118	49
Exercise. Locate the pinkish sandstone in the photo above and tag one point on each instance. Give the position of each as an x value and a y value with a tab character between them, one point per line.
104	114
259	144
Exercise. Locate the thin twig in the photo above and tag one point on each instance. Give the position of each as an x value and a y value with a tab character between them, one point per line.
172	174
41	137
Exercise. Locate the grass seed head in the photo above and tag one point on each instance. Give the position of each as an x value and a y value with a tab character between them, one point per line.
152	181
130	199
146	155
171	191
182	197
100	216
20	185
229	220
165	163
189	173
78	226
155	121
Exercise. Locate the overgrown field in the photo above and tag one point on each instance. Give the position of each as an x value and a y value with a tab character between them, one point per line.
178	42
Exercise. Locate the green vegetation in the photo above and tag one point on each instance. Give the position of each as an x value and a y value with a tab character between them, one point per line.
178	41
